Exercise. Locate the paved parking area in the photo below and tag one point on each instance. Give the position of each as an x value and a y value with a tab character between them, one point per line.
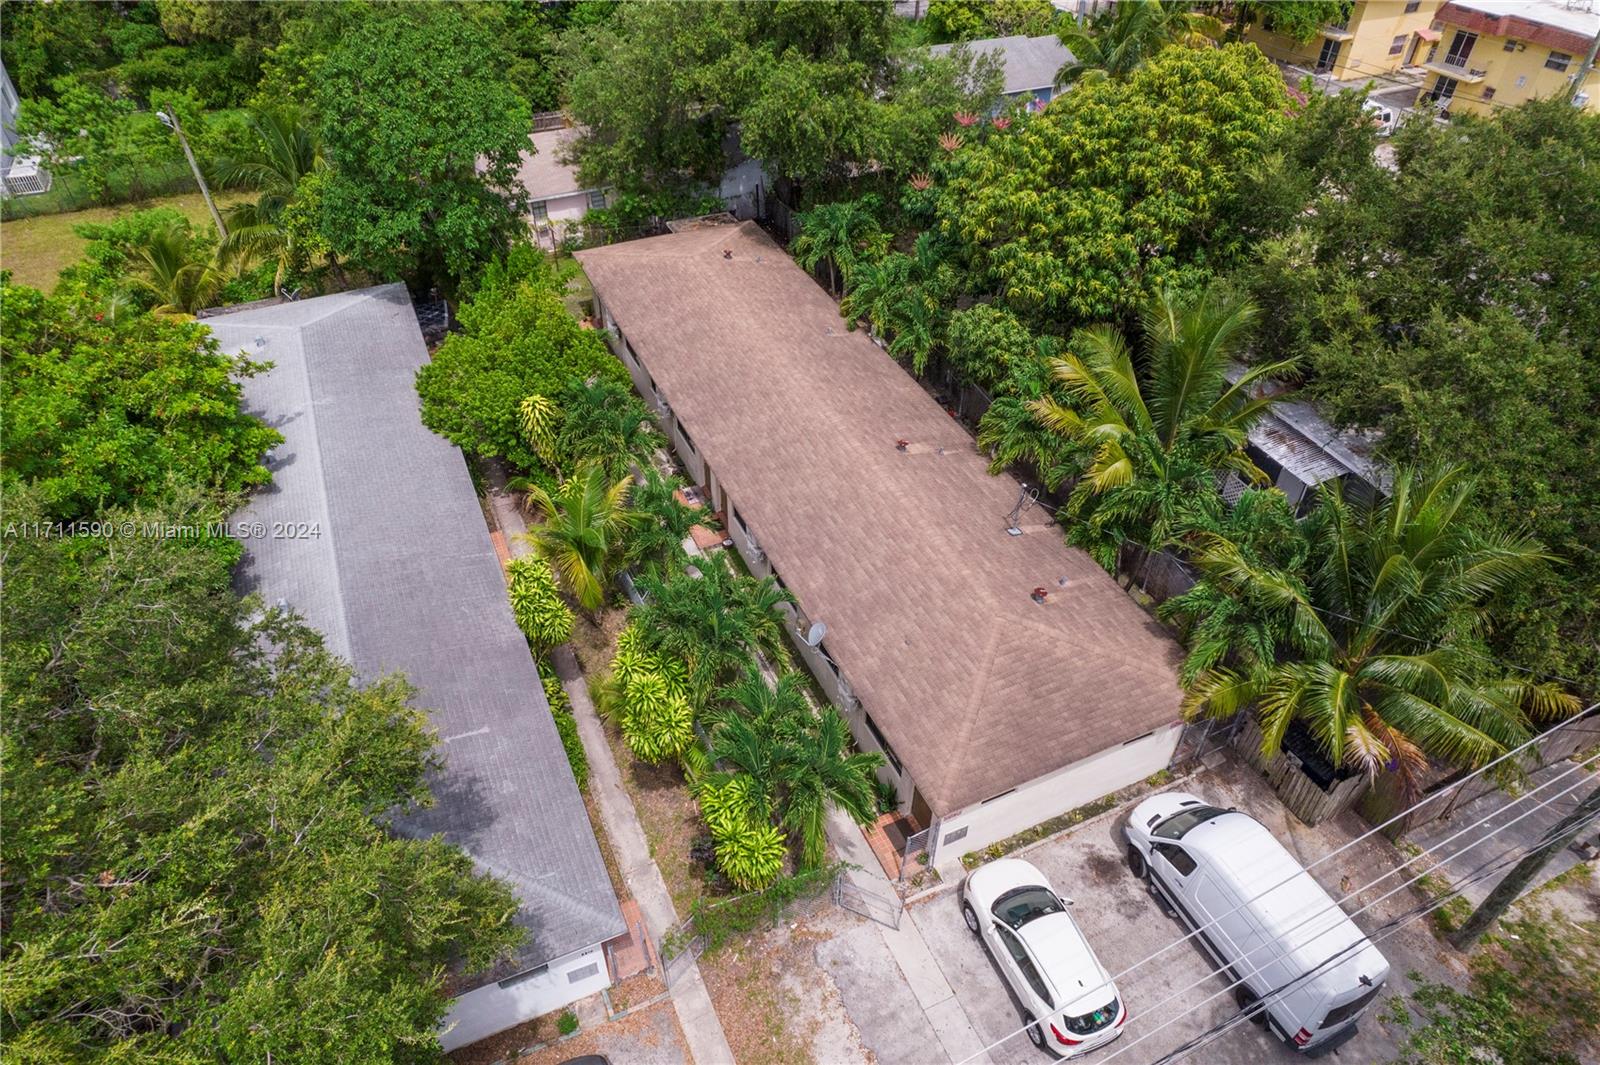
1125	926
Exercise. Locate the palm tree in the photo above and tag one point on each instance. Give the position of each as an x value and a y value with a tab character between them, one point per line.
817	770
1157	443
840	234
1375	639
288	151
905	298
586	521
605	423
799	761
664	522
715	622
1132	31
176	270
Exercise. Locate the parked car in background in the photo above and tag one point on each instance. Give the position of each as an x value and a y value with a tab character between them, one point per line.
1299	963
1383	116
1070	1004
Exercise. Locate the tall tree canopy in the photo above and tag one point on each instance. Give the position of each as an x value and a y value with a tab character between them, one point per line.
196	864
423	136
106	408
810	88
1119	188
1451	303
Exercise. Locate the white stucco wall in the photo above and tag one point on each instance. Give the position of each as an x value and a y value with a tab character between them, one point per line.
493	1008
1056	793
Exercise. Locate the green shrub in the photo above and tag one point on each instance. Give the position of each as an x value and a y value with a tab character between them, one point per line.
648	696
542	615
751	855
567	1023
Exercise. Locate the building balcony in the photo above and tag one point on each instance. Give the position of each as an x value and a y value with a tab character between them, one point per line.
1337	31
1462	72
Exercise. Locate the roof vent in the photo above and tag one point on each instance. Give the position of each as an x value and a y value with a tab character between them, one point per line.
727	253
1038	595
901	444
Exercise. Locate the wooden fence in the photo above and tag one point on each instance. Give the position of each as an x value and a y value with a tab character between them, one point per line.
1301	795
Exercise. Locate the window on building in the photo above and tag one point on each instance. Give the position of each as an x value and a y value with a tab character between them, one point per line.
1488	93
1443	89
822	649
1398	45
888	751
1412	5
1329	55
1558	61
539	210
688	441
1510	45
1460	49
597	199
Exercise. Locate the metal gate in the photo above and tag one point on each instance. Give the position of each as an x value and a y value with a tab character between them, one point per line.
885	909
680	948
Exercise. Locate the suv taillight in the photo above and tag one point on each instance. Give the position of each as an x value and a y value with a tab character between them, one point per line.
1302	1037
1063	1040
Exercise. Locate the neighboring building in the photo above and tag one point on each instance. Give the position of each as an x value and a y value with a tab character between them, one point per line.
1005	677
558	200
19	175
373	533
1030	64
556	197
1500	53
1378	38
1299	450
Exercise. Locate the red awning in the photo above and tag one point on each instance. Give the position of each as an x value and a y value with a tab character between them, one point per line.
1428	35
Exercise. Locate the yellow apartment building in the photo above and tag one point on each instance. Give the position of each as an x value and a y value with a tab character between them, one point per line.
1500	53
1379	37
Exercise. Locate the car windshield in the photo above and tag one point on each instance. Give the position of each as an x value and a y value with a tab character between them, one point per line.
1021	905
1091	1023
1178	825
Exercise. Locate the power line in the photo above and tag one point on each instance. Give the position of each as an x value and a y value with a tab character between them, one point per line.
1236	982
1389	928
1333	905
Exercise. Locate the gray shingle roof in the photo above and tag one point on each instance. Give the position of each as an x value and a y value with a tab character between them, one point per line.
903	554
1031	63
399	573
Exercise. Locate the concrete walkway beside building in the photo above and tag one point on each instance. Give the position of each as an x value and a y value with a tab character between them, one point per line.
701	1028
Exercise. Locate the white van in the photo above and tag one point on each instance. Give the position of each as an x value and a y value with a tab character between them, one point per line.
1260	915
1383	116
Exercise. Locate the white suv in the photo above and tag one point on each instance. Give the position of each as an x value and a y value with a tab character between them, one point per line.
1029	931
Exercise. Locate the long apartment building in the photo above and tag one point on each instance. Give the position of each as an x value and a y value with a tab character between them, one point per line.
1377	38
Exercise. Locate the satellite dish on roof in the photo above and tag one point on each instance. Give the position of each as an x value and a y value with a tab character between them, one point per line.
817	631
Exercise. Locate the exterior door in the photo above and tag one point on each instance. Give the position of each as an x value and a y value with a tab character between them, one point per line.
1329	56
921	812
1460	49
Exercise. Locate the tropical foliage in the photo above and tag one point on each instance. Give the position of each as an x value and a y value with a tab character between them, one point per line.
536	604
839	234
583	530
424	157
197	797
1127	34
517	341
107	409
1376	643
647	695
279	168
1118	189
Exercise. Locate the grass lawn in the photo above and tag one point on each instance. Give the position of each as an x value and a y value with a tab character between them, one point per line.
36	249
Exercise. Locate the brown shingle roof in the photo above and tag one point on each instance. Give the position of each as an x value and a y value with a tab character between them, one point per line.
903	554
541	171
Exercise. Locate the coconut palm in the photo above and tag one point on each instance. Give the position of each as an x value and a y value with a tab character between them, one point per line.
840	234
1132	31
288	150
1375	637
585	526
1158	441
176	270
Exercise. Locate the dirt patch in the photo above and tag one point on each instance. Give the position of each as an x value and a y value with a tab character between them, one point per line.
635	991
1103	868
504	1045
650	1035
613	870
594	639
669	815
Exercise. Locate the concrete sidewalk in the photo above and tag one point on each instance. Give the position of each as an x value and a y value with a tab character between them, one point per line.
944	1013
701	1028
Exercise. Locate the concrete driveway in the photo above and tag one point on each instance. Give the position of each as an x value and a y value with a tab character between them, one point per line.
1124	925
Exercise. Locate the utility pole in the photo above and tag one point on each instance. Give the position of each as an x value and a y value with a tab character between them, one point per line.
1583	71
1516	882
170	120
